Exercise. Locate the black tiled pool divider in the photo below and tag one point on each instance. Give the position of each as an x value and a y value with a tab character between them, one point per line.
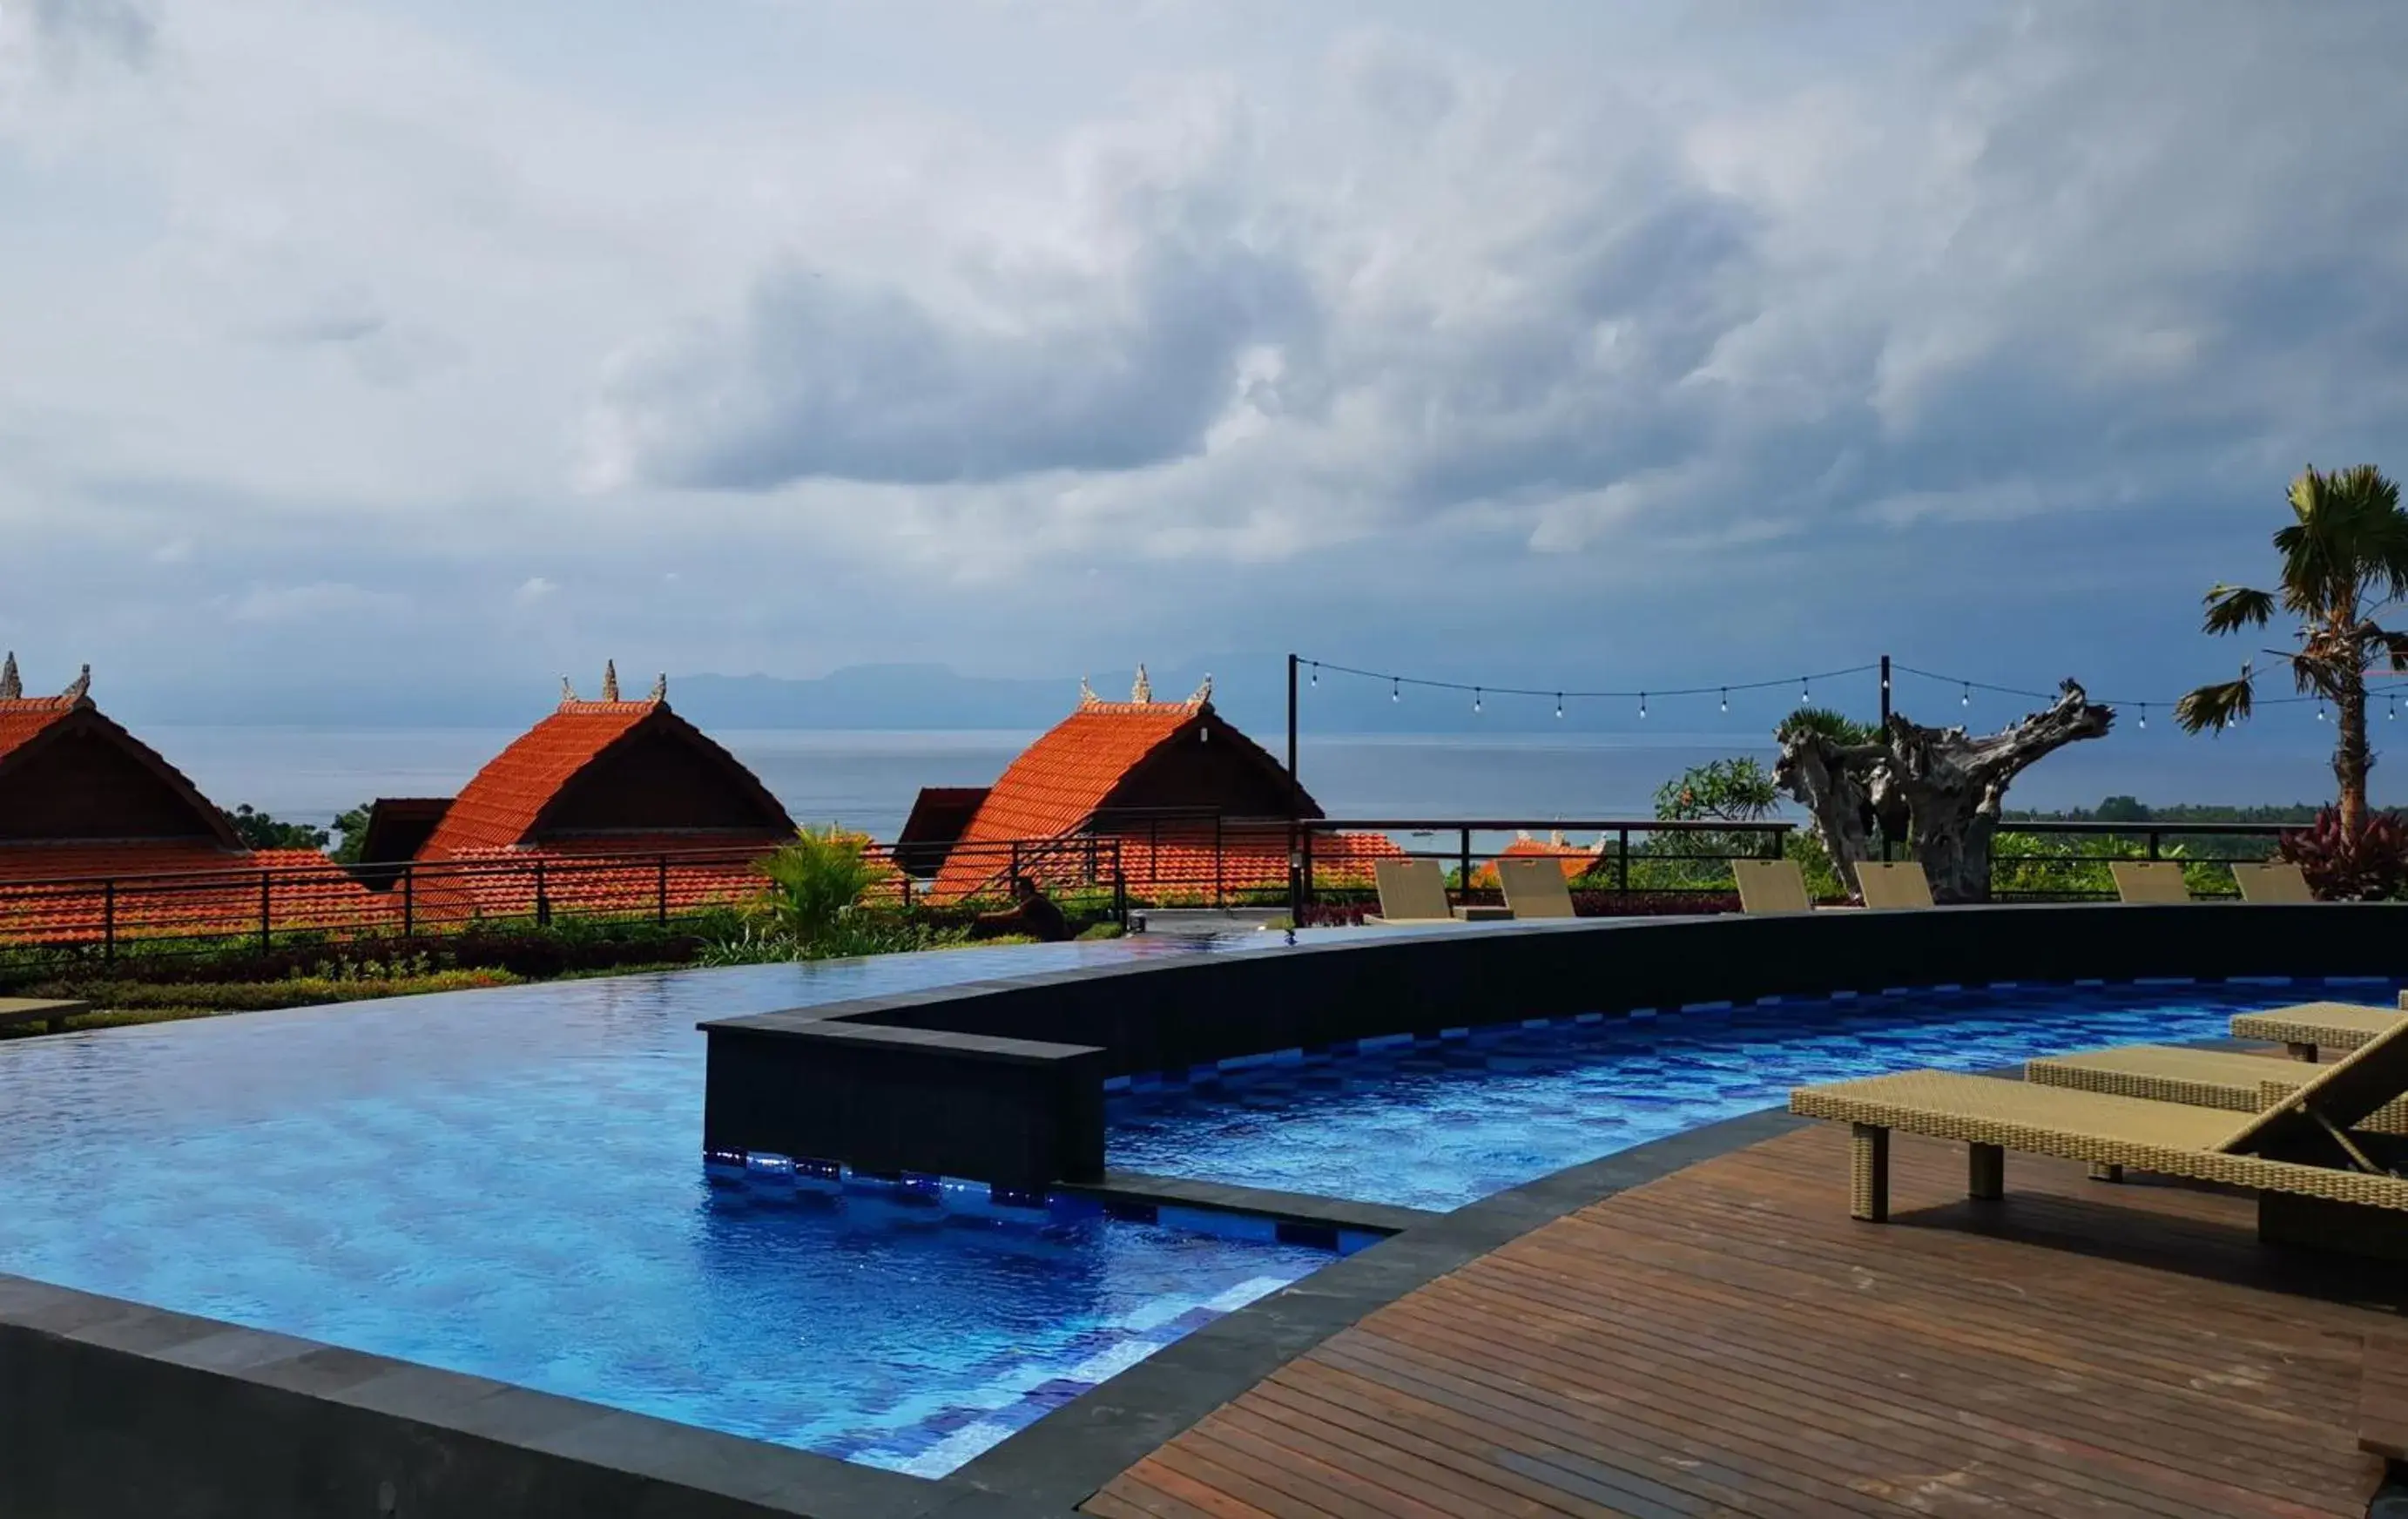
1003	1080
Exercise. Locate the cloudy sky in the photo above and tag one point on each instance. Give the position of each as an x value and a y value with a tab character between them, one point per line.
421	345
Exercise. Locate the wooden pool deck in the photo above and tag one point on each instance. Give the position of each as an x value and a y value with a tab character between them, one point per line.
1725	1342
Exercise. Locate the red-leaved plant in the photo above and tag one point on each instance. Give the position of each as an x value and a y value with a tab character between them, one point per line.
2369	866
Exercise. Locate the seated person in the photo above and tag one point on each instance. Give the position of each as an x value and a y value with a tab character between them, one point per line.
1032	915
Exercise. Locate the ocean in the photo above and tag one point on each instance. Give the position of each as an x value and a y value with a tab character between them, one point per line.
867	780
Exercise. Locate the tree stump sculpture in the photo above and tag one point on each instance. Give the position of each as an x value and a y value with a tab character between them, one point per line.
1941	789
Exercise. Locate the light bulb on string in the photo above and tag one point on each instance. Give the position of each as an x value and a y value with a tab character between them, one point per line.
1396	691
1726	699
1805	696
2144	714
1316	674
1967	698
1475	698
1642	706
1559	704
2320	708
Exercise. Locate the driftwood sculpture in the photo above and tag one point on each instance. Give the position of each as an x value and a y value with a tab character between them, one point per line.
1939	788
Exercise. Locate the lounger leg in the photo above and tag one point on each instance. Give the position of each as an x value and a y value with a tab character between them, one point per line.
2101	1171
1869	1173
2303	1051
1986	1172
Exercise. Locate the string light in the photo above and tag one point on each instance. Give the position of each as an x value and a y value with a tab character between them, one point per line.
1642	706
1967	699
2144	714
1559	704
1396	689
1726	699
1475	698
1316	674
2320	708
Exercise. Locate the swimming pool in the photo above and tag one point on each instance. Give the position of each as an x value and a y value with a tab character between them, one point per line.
1438	1123
509	1183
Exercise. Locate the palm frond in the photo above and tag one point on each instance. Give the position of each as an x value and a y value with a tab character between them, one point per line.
2213	709
2232	607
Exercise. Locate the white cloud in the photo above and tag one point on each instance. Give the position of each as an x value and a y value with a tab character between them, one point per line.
534	590
319	601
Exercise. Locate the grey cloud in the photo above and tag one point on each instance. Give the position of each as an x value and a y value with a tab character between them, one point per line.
826	378
120	31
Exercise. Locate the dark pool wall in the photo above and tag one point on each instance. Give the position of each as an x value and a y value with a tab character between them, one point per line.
768	1074
111	1410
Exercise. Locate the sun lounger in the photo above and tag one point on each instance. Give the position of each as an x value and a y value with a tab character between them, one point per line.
1770	886
2231	1080
2277	880
1535	888
2148	880
1414	891
2299	1154
2311	1026
1893	884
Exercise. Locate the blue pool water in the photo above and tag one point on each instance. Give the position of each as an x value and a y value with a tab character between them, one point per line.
508	1183
1438	1123
511	1184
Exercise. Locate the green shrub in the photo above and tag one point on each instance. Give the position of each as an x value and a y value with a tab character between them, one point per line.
813	882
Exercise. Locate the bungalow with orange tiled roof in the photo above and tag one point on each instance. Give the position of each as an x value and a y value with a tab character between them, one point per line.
1574	860
593	792
100	834
1193	807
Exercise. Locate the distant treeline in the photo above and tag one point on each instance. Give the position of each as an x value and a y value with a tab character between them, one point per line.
2132	810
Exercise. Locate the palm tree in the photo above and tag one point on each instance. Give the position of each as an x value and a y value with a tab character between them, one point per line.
2344	564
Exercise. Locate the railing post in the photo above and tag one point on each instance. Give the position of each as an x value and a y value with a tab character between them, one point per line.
265	929
664	915
1622	862
2153	843
1015	865
108	922
542	899
1307	872
1218	900
409	901
1463	861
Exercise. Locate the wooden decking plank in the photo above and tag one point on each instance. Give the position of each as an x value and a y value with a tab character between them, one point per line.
1726	1340
2383	1398
1380	1413
1354	1440
1781	1415
1641	1430
1876	1373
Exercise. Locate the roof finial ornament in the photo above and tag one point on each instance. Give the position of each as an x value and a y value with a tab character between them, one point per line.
609	679
11	688
661	688
80	689
1143	692
1087	697
568	692
1203	693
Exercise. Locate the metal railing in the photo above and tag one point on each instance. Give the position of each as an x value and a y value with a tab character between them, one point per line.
106	917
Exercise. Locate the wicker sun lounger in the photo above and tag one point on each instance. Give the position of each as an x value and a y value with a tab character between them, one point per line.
1893	884
2148	880
2297	1154
1535	888
1414	891
2311	1026
2277	880
2231	1080
1770	886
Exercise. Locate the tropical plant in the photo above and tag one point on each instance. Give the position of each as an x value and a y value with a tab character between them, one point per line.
1726	789
814	881
1824	722
353	827
2354	865
2344	563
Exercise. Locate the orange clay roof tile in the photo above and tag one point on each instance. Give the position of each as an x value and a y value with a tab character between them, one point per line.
495	810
